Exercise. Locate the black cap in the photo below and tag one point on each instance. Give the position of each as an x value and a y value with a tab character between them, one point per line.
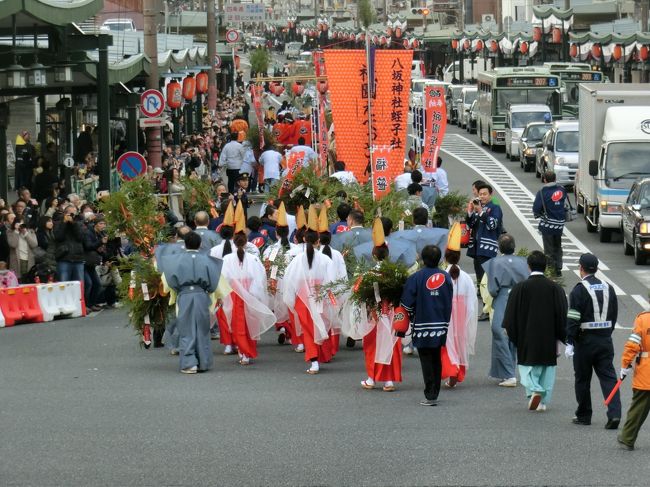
242	175
589	262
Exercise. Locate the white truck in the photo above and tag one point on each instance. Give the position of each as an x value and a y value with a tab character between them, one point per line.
614	149
471	69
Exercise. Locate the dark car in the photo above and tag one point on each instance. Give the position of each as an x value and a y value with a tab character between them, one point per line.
530	137
635	222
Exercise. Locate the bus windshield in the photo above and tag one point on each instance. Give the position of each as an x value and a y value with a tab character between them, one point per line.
506	97
566	142
627	160
521	119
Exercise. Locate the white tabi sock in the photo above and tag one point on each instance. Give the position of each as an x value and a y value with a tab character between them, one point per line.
314	365
389	383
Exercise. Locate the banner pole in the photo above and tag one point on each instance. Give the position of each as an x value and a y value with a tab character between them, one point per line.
368	77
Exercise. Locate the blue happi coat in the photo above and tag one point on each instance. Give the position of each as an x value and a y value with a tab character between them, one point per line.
427	296
486	228
549	207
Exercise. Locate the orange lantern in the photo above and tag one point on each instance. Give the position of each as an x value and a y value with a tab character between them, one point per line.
416	43
189	87
643	53
494	46
617	53
596	51
466	44
537	34
573	51
174	95
298	88
479	45
523	47
389	31
454	44
202	82
556	36
405	43
322	87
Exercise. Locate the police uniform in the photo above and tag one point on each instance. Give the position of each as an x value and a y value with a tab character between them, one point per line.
593	310
637	351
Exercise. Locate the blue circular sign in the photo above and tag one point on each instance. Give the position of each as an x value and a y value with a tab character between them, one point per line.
130	165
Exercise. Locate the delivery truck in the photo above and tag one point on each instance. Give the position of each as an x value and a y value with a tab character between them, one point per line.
614	151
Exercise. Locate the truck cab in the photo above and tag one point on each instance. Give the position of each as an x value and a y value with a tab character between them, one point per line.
517	117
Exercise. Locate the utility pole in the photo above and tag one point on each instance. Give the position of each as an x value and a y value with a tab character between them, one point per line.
644	15
151	50
212	53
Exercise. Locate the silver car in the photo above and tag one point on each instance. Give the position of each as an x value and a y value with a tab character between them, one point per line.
473	117
559	152
467	97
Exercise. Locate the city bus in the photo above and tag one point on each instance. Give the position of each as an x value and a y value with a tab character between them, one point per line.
572	74
502	87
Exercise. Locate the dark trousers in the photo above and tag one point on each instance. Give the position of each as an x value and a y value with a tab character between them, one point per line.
232	175
431	371
479	260
553	251
636	415
92	286
595	354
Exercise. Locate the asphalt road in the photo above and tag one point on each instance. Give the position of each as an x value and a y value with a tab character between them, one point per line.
82	404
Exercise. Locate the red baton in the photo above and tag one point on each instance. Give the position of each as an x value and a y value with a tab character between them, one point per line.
614	390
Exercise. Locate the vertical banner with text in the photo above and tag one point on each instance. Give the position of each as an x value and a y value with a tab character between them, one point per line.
322	135
256	94
435	126
294	165
380	175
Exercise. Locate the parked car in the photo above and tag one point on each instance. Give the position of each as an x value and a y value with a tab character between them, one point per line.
517	117
118	25
635	221
559	152
467	97
451	98
473	117
292	50
531	137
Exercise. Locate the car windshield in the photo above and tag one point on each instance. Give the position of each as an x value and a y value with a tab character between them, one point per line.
470	96
626	160
537	132
507	97
418	86
521	119
566	142
118	26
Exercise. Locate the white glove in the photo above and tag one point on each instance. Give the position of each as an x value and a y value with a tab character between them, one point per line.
625	372
568	351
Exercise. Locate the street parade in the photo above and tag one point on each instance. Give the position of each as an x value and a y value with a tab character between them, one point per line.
343	243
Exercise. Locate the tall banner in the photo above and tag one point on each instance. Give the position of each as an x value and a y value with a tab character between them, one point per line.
294	165
435	126
322	135
347	75
256	95
380	175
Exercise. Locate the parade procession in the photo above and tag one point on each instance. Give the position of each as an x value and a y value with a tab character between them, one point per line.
343	243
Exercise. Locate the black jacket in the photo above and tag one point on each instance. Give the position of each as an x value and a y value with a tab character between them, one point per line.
69	237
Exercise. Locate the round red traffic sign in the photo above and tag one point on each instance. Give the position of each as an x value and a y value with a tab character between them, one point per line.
232	36
217	61
131	165
152	103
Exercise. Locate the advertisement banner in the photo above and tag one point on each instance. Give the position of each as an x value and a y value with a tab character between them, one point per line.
380	175
435	126
294	164
256	95
236	13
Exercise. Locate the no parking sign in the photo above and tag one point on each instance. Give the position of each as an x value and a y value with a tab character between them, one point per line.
130	165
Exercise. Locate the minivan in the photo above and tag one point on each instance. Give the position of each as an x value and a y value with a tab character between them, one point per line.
559	152
517	117
467	97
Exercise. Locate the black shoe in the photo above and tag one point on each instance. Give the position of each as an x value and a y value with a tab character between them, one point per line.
483	317
623	445
282	338
581	421
612	423
429	402
350	342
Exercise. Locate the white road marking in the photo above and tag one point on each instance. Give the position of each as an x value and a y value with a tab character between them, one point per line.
642	302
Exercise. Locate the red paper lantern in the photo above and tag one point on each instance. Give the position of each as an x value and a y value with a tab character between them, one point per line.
174	95
596	51
398	32
556	36
322	87
389	31
202	82
276	88
494	46
416	43
643	53
573	51
479	45
466	44
454	44
523	47
537	34
405	43
401	322
298	88
617	53
189	87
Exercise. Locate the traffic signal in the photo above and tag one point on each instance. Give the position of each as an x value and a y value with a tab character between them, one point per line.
420	11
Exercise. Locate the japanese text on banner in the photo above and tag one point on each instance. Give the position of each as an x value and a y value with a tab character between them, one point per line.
380	175
322	135
294	165
256	93
435	126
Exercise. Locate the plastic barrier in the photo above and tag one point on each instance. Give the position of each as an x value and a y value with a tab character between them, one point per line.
20	304
61	299
2	320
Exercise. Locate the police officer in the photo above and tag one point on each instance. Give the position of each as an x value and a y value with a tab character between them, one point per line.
549	207
593	310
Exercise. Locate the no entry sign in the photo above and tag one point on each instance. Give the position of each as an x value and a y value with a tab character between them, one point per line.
130	165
